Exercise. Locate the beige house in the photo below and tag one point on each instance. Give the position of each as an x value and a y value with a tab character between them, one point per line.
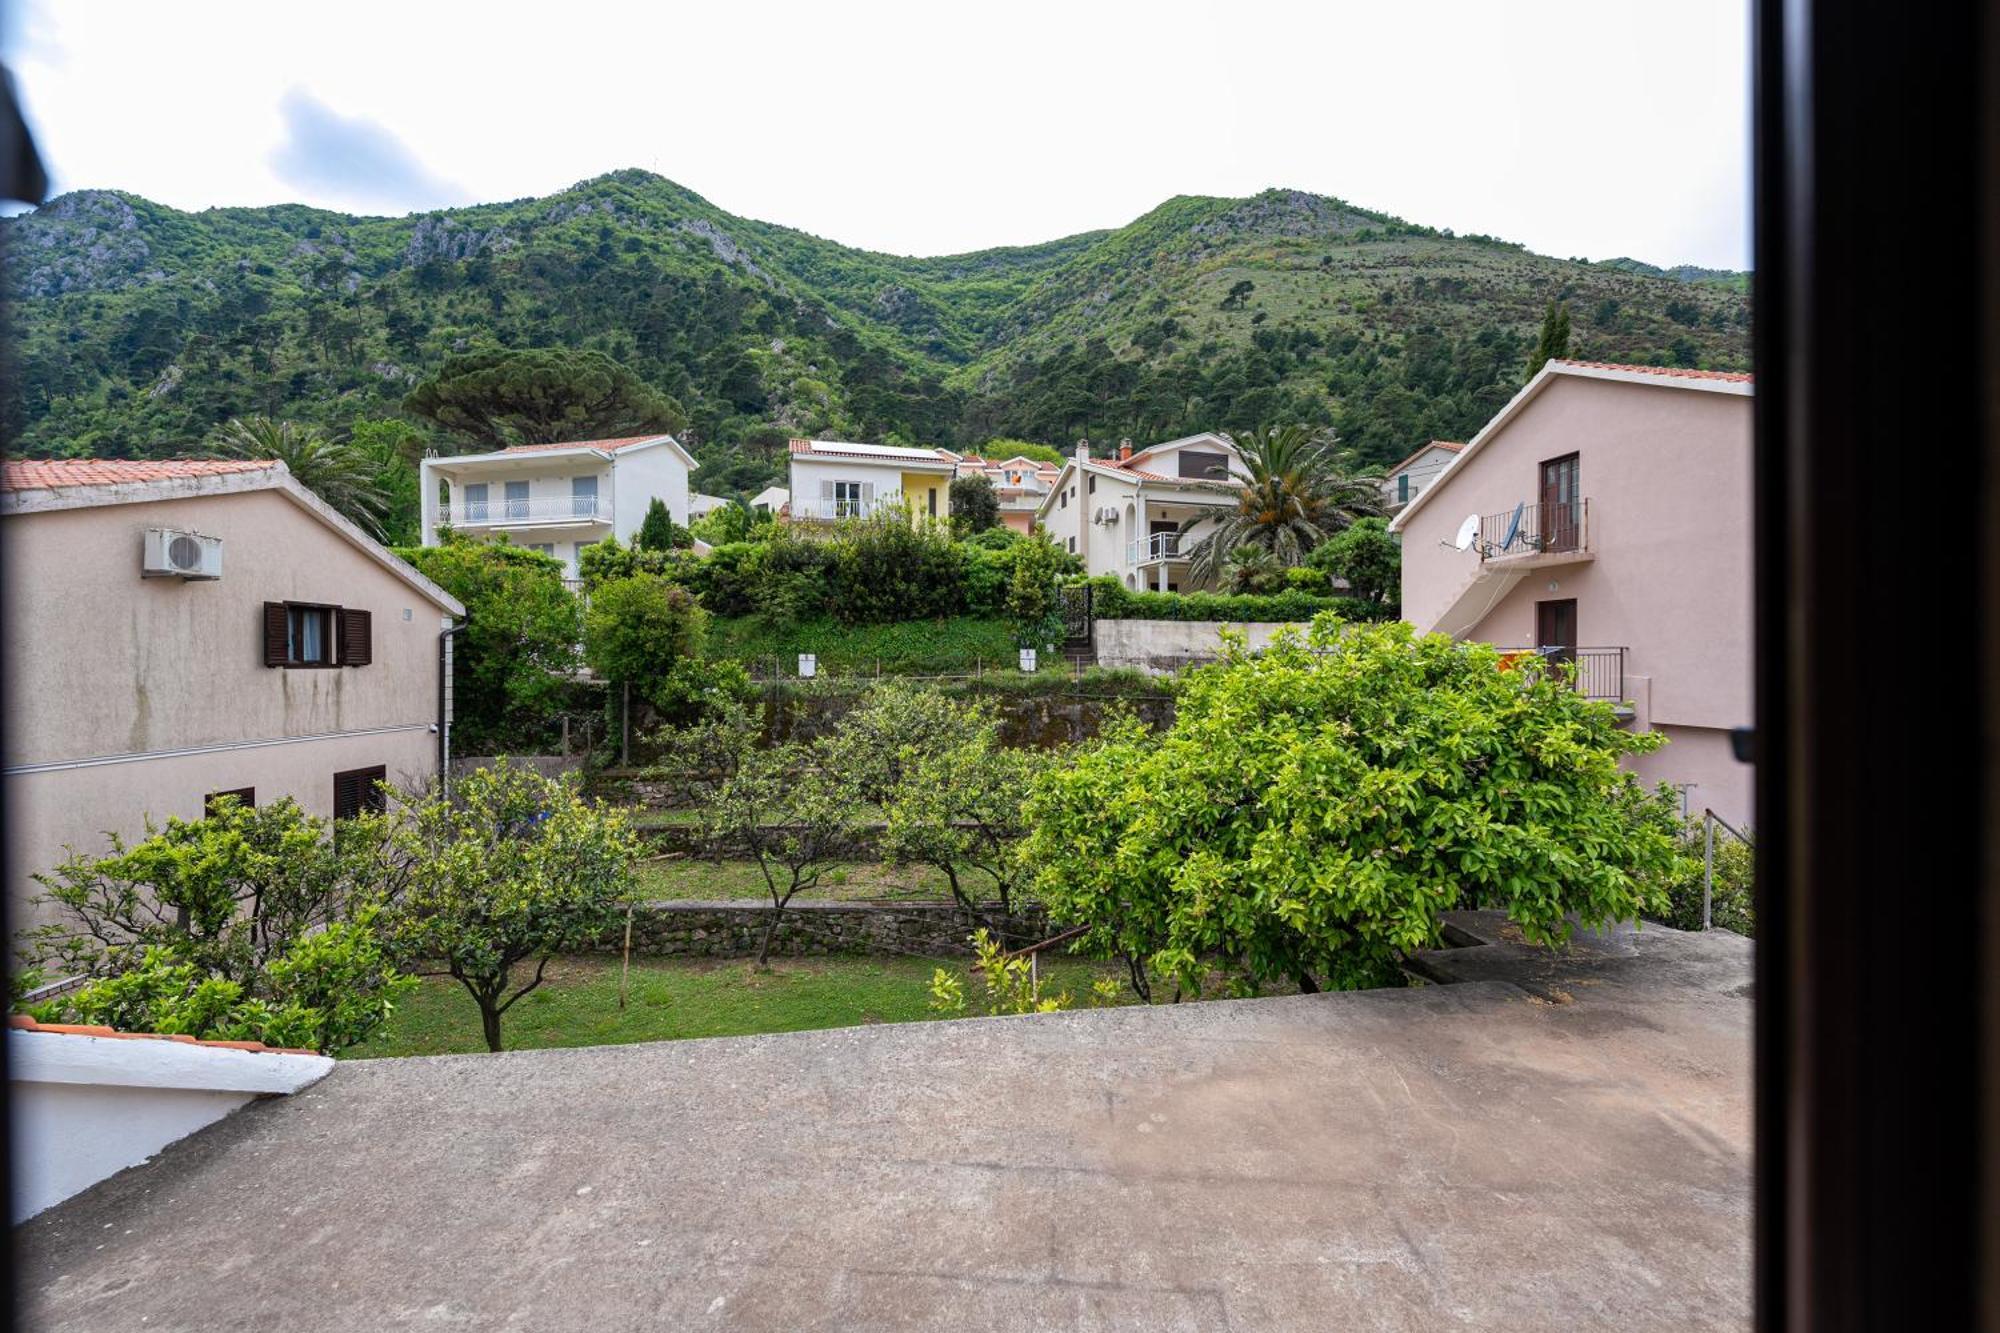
1019	484
1124	515
1603	517
833	480
180	630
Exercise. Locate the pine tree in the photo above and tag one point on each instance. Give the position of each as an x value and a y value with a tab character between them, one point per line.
657	530
1554	341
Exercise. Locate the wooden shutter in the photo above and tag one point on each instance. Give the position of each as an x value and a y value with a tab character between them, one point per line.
356	790
357	635
275	636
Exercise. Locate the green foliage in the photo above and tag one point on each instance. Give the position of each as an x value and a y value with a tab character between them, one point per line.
542	395
793	579
912	647
340	474
1314	810
391	450
1553	342
512	867
511	663
1112	600
886	568
996	539
1388	331
1002	450
718	527
1032	592
1252	569
637	630
1734	904
1368	557
252	924
659	532
797	815
957	806
879	744
975	507
1299	493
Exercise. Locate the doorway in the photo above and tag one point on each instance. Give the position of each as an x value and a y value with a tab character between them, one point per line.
1561	510
1555	631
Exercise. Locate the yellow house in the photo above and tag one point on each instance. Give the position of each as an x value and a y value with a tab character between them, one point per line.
832	480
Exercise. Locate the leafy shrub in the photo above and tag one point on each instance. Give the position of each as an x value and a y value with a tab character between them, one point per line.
988	572
793	580
1111	600
638	630
513	661
996	539
603	561
658	531
911	647
251	924
1368	557
718	527
726	580
1314	810
887	568
974	505
1734	904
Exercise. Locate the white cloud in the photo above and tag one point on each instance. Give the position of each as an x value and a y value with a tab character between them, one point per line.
1586	127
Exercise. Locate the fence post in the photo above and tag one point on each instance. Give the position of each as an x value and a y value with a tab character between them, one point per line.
1707	865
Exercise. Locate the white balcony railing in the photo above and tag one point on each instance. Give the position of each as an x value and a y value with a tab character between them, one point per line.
832	511
1153	548
533	509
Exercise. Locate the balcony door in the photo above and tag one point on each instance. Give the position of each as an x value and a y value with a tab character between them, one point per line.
517	499
583	497
1555	631
475	502
1561	511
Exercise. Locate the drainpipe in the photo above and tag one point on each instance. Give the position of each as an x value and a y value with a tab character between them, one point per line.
445	637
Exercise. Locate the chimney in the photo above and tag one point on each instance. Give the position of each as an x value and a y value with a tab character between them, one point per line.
1124	450
1082	451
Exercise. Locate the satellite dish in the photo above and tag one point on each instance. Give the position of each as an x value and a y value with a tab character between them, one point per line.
1467	531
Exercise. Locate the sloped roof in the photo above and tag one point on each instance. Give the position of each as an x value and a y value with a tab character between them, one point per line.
871	453
1666	372
602	446
36	474
26	1023
1452	446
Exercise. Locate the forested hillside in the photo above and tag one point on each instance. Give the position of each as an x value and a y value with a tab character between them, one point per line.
140	328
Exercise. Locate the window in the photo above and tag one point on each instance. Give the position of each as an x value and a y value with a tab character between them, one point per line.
475	503
1091	485
1402	488
244	796
847	498
1062	501
583	497
1072	546
308	634
517	499
1198	463
933	502
358	790
546	548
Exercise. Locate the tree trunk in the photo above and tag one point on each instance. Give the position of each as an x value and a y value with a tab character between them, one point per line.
770	933
489	1019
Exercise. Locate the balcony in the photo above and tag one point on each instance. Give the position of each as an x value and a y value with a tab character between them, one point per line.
1154	548
1536	534
532	511
1599	673
834	511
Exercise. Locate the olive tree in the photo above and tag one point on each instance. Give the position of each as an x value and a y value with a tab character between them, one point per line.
960	809
1313	811
511	867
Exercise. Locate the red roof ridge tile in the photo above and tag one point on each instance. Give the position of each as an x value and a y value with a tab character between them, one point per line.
29	1023
34	474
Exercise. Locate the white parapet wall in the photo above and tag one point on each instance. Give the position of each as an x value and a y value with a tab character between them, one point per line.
1159	646
87	1107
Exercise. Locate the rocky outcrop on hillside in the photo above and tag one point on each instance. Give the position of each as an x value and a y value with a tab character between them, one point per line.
89	240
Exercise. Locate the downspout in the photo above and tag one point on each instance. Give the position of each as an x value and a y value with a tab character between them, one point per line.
445	704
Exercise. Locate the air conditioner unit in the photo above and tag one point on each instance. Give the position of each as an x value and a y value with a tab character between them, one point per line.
174	554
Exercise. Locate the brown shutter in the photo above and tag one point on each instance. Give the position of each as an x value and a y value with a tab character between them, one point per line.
275	636
356	790
357	636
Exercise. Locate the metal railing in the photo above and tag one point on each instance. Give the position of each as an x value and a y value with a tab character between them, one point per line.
1535	529
832	511
1709	820
1153	548
1599	673
532	509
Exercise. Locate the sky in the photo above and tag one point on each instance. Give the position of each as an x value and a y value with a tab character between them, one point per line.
1589	128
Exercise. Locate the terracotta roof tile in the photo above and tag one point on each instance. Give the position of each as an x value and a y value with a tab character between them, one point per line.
35	474
1670	372
27	1023
607	446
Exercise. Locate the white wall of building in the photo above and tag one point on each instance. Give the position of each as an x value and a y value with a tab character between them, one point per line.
85	1108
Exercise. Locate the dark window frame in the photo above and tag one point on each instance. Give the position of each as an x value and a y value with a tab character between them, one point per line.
245	796
370	796
328	636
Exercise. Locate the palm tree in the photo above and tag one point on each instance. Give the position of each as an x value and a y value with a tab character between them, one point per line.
1299	493
340	474
1251	568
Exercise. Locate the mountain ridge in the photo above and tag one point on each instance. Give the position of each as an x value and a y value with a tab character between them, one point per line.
141	327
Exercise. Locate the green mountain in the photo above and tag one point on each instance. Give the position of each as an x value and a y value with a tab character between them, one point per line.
139	328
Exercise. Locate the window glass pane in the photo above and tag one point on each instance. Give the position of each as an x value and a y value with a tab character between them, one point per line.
305	634
475	502
517	499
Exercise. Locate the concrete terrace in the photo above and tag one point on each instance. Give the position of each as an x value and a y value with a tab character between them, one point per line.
1547	1142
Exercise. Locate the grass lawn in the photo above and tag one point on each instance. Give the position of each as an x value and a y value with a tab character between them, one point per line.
706	880
672	998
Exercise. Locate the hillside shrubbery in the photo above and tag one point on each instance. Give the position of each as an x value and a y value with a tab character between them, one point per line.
1112	600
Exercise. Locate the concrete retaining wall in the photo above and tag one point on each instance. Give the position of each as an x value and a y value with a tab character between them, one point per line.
1160	646
735	929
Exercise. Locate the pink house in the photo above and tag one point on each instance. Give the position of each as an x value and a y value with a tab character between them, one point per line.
1603	518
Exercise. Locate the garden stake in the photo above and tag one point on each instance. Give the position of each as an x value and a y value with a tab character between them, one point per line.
625	968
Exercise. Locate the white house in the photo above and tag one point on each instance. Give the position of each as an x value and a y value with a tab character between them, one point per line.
833	479
770	500
1124	515
1405	481
557	498
701	506
1018	484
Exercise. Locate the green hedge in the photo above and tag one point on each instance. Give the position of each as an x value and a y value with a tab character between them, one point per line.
908	647
1111	600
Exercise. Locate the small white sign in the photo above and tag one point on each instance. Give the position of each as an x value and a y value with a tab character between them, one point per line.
808	666
1027	659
